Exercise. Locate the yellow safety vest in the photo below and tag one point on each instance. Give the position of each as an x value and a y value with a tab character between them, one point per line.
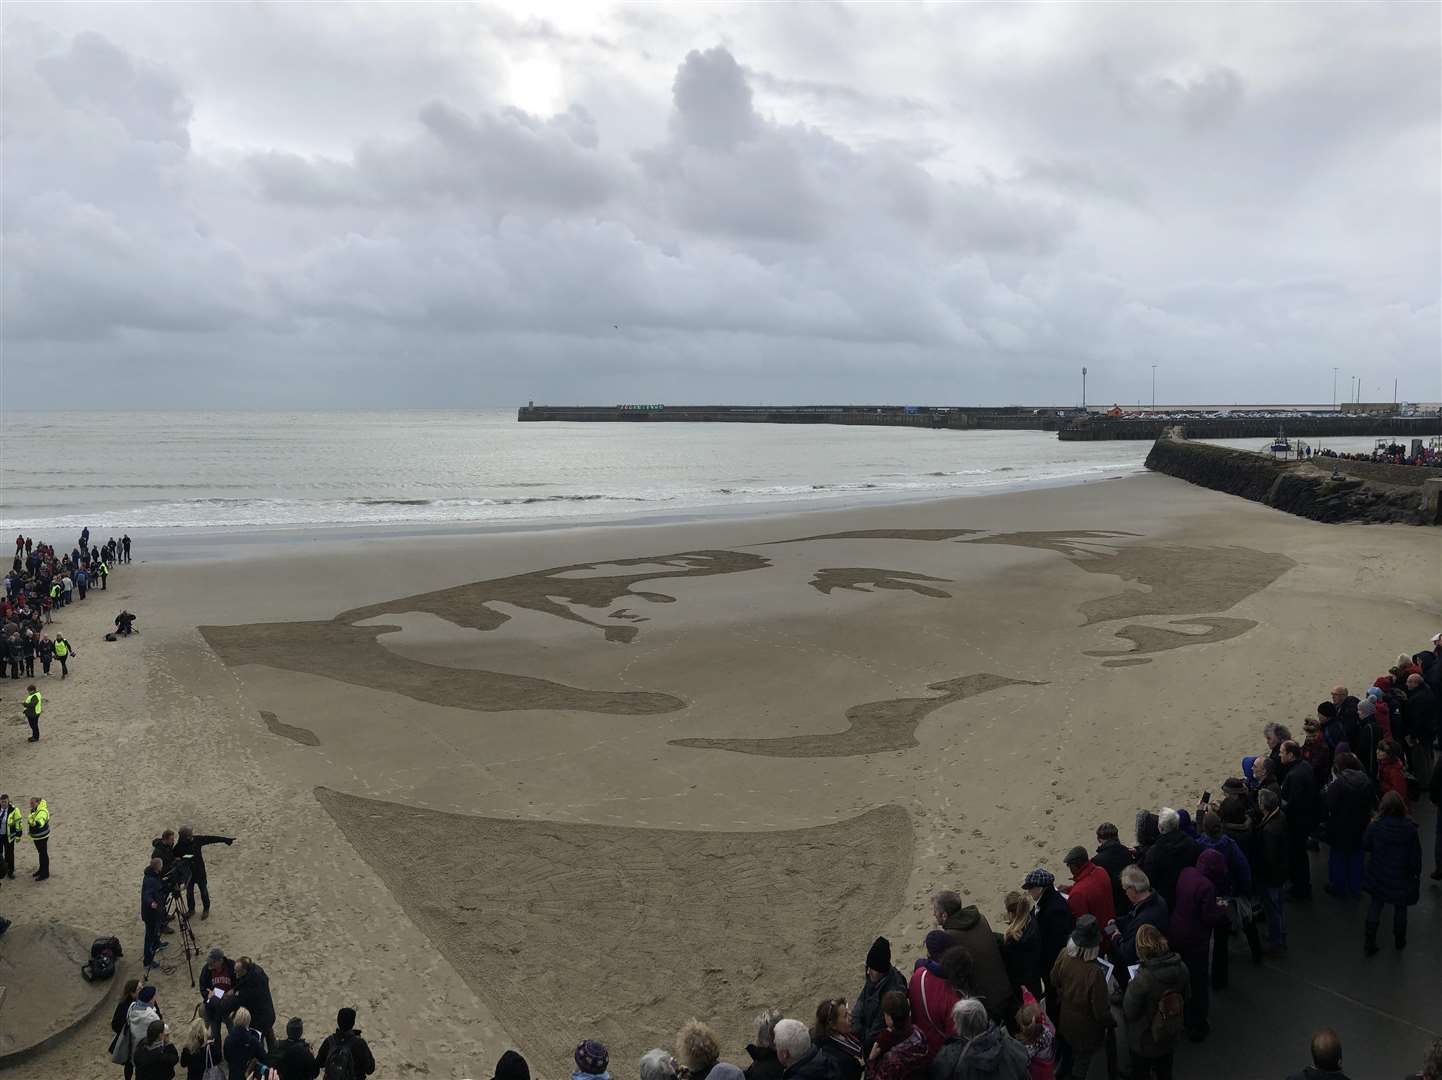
62	648
34	701
14	824
40	822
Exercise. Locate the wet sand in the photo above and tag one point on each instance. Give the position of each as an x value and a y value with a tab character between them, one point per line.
520	789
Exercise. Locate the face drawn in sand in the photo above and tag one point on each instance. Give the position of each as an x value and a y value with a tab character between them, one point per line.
864	579
352	654
550	592
873	728
336	649
622	931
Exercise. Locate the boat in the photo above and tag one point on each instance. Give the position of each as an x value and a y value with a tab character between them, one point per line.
1280	445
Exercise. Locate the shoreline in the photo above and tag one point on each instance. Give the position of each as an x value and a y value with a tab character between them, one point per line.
242	541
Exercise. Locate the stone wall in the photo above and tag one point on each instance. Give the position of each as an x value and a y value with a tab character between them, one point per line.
1302	488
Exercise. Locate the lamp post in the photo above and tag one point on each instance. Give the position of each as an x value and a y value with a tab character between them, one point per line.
1084	389
1334	388
1154	388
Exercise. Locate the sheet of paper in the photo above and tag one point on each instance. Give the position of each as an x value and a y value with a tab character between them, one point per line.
1132	970
217	992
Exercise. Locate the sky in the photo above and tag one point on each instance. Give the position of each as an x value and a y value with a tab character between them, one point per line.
448	205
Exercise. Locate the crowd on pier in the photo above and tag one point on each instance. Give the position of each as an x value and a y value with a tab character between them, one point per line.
1392	454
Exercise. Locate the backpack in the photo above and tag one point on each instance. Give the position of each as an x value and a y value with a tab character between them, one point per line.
101	965
1167	1020
339	1063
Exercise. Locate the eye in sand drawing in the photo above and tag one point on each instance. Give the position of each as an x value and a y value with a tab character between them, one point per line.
864	579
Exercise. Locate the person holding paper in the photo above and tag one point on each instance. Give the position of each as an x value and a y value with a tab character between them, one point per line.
217	979
1079	982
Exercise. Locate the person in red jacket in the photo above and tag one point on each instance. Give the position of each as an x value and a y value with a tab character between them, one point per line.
1091	890
931	993
1390	774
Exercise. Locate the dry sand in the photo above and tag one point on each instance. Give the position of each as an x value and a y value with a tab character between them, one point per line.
519	789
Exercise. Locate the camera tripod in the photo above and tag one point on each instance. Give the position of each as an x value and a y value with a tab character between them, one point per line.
175	906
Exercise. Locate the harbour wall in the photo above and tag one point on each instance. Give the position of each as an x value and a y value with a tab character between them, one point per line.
1361	491
1010	417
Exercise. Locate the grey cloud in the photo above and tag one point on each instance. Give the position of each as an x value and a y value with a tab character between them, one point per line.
1198	101
713	100
99	77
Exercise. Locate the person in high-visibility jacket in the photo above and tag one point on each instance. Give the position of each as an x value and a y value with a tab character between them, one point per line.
40	836
102	572
12	828
63	652
33	704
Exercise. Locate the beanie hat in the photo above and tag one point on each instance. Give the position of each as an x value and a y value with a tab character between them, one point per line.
1039	878
294	1028
592	1057
1234	785
878	957
1087	934
345	1019
1327	709
1366	709
512	1067
1076	856
147	994
1374	693
937	942
216	955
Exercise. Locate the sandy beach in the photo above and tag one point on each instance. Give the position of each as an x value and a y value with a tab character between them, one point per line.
516	789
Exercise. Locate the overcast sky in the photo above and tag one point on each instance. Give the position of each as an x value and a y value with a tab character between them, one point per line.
311	204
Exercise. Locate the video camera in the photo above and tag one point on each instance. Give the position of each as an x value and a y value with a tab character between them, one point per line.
177	876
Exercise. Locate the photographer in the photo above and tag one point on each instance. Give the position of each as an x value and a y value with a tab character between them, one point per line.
124	623
152	910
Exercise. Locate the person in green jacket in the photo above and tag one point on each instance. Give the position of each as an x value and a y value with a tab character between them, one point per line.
1153	1005
33	705
40	836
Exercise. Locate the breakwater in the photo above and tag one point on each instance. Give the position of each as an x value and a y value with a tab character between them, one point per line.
1252	427
923	416
1360	491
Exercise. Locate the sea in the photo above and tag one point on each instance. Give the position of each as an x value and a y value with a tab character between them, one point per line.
226	471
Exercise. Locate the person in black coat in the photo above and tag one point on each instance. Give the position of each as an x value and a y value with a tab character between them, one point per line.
1113	856
1020	945
1301	807
764	1063
252	993
191	848
155	1058
347	1040
1348	799
1394	868
1173	852
1054	921
118	1017
881	978
292	1058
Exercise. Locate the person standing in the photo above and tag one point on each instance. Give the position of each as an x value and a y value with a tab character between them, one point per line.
1394	870
125	546
39	822
251	994
152	910
120	1043
45	650
1300	809
347	1043
12	828
1153	1005
34	704
293	1059
63	652
189	847
155	1058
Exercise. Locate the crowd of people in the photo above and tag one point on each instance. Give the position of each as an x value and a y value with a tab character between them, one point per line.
1113	968
1392	454
39	584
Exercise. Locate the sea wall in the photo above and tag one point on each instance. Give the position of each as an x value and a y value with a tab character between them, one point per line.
1307	489
988	418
